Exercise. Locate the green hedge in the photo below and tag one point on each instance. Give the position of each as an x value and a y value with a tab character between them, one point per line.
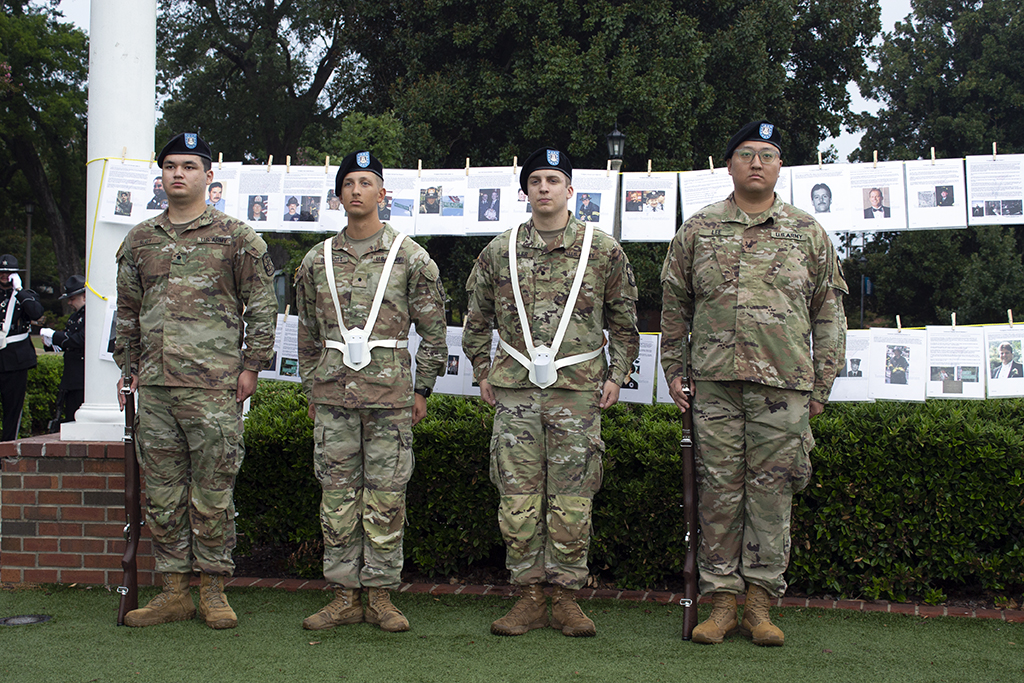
908	500
41	394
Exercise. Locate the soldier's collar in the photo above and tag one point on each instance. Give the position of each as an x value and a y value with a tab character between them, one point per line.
532	238
738	215
341	241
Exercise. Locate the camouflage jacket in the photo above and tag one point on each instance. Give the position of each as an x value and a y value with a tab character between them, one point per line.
414	294
760	297
197	308
606	299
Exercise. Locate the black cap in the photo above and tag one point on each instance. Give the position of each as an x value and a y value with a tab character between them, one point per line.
185	143
762	131
8	264
545	157
358	161
74	286
292	200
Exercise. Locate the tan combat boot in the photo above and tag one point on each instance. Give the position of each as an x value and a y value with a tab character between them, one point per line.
529	612
174	603
213	604
384	614
721	623
346	608
756	622
568	617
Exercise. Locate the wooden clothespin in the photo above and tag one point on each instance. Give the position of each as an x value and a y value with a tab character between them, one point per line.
327	165
1009	316
993	151
515	166
124	153
288	164
711	163
876	158
608	170
819	160
953	318
220	161
287	307
648	168
152	159
933	156
467	166
270	162
419	168
899	324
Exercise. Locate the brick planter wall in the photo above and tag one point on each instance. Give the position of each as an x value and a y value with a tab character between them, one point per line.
62	513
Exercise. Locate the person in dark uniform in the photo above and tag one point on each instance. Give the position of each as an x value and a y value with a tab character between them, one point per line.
431	203
71	340
17	355
589	211
293	211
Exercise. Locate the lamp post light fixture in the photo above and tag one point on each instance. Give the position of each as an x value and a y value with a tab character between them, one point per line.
29	208
616	148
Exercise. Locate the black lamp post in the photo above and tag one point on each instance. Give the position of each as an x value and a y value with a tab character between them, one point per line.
616	148
29	208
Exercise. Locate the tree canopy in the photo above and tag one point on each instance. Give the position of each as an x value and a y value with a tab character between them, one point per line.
42	136
950	77
490	80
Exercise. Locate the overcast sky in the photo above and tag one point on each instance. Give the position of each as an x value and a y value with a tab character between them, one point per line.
77	11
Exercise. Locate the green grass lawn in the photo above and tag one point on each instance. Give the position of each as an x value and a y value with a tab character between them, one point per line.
450	641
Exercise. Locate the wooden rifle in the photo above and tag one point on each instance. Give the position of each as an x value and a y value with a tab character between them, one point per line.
690	596
129	588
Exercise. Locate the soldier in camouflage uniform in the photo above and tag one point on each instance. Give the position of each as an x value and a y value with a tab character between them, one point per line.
195	314
364	410
546	449
752	315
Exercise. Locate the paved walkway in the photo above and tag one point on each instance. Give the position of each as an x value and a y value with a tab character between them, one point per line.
662	597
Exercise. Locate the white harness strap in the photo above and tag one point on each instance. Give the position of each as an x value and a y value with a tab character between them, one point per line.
356	347
541	362
4	339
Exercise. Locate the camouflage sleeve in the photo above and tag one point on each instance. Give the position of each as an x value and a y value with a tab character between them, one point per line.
426	309
828	322
310	338
254	274
129	304
620	295
476	329
676	308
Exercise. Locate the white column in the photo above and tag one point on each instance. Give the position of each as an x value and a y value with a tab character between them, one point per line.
122	114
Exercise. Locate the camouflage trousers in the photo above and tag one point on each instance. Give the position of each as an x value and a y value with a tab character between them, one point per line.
363	459
753	446
190	448
546	460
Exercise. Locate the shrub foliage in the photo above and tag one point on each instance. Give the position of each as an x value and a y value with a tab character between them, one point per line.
908	500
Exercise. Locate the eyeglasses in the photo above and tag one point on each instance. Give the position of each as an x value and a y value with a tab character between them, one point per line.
747	155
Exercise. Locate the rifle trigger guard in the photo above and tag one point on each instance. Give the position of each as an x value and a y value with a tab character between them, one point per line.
123	590
685	602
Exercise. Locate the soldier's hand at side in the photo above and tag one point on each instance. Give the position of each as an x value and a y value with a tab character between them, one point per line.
487	393
675	390
817	408
312	412
419	408
120	385
609	395
246	385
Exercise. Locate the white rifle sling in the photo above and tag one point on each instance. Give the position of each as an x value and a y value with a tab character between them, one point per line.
355	346
8	319
542	362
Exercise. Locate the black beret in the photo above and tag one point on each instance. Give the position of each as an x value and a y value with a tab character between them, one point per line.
545	157
185	143
357	161
75	285
755	130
